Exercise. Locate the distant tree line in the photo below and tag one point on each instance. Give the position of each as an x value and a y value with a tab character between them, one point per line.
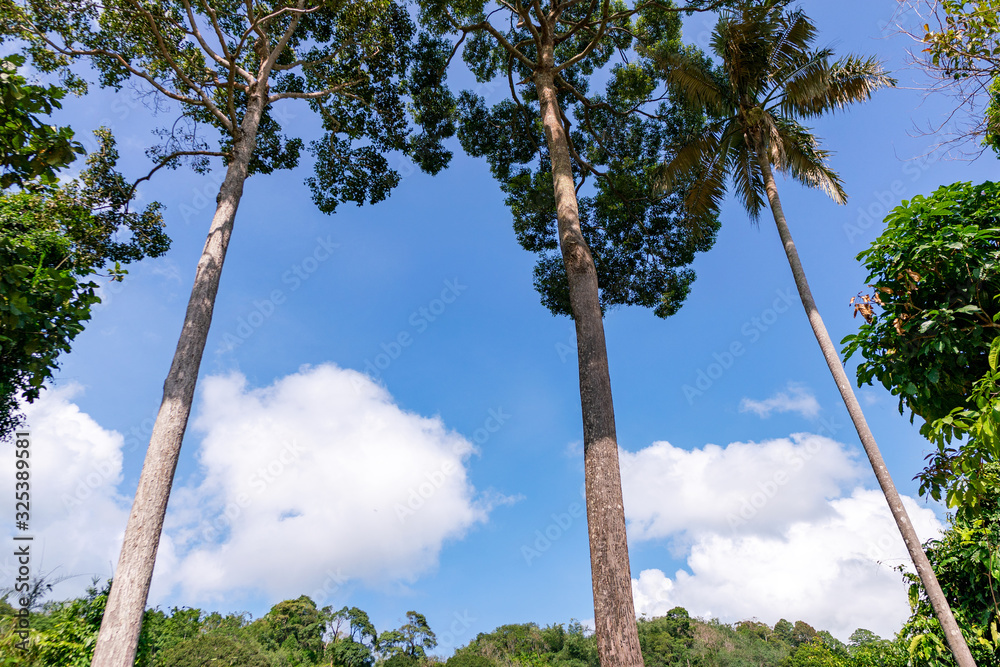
297	633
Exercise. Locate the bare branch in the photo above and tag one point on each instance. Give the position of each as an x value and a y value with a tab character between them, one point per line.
167	160
315	95
265	68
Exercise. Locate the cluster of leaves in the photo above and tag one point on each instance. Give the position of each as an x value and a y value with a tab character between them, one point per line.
936	280
966	560
965	43
52	238
963	49
959	469
641	238
360	65
30	148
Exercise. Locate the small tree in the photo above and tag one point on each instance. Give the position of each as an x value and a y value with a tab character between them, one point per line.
417	635
225	64
353	639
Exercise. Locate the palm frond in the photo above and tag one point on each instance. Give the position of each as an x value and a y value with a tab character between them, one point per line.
808	69
702	164
791	45
706	193
696	84
807	163
689	159
849	80
744	46
746	177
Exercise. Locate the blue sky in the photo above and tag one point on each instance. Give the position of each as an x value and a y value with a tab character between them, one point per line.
449	480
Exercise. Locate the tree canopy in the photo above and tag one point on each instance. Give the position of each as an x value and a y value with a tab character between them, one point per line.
641	238
54	237
31	149
930	322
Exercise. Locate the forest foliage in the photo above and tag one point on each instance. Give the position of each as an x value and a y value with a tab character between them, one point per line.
297	633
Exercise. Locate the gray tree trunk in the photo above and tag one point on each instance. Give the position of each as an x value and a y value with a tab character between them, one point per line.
614	611
119	635
924	570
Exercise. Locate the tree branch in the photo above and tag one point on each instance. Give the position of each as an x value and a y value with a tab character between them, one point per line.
167	160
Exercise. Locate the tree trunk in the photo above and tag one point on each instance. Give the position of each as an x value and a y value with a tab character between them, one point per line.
938	600
119	634
614	611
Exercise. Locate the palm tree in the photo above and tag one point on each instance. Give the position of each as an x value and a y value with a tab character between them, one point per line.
771	77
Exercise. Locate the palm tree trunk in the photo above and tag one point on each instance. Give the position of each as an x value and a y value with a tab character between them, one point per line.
953	634
119	635
614	611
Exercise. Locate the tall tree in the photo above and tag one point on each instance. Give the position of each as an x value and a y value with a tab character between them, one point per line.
224	65
354	639
627	244
770	77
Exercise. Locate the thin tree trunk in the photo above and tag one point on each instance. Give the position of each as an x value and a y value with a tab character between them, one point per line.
953	634
614	611
118	638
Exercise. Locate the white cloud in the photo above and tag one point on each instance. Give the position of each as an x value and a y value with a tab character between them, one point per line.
314	481
745	486
768	545
77	516
319	473
798	398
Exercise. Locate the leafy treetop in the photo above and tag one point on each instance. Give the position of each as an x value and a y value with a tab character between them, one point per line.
641	239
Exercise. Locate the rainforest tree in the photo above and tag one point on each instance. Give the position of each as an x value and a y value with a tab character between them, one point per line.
624	243
222	66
